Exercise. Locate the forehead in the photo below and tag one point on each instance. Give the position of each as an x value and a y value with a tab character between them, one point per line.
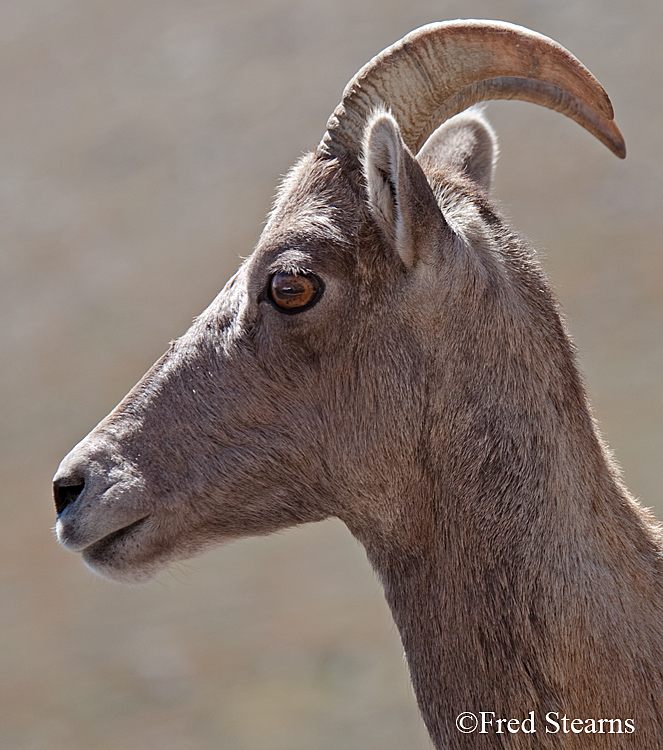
316	218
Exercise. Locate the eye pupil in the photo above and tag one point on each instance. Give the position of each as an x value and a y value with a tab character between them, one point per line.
294	292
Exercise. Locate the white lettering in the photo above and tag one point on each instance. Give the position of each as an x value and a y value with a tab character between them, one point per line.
590	726
551	717
612	726
485	722
492	724
576	723
530	724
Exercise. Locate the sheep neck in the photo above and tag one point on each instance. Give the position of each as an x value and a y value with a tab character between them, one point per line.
525	597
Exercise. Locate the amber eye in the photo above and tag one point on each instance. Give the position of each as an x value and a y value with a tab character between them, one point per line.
294	292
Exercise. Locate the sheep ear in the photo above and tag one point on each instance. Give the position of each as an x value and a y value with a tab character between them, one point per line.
465	143
399	196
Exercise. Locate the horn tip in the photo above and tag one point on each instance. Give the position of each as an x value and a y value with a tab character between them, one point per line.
614	140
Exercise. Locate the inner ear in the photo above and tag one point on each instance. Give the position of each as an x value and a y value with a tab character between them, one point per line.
465	143
399	196
383	155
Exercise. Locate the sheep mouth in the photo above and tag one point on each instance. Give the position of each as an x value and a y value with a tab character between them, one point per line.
131	555
100	551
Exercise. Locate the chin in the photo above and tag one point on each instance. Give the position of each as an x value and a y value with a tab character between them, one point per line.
121	568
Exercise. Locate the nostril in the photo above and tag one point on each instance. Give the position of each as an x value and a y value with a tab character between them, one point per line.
66	491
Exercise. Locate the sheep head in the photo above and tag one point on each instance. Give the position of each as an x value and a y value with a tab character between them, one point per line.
339	371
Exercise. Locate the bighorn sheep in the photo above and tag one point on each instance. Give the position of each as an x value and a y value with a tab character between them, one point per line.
391	355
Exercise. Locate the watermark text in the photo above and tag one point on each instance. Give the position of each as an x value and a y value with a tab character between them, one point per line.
487	722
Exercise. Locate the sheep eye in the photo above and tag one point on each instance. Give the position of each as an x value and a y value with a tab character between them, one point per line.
293	293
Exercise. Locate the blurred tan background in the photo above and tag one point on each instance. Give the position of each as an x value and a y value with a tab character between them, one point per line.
140	143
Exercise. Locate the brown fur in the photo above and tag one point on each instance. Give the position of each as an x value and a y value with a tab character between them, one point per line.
431	401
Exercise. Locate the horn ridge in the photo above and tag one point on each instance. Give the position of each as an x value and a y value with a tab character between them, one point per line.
442	68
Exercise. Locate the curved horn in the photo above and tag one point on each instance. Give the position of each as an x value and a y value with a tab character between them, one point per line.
440	69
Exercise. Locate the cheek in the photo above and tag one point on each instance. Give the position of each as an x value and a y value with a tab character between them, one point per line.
265	496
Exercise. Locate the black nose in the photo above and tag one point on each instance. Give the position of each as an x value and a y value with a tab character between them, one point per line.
66	490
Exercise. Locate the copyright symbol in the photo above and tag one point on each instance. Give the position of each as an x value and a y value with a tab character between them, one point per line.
466	722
